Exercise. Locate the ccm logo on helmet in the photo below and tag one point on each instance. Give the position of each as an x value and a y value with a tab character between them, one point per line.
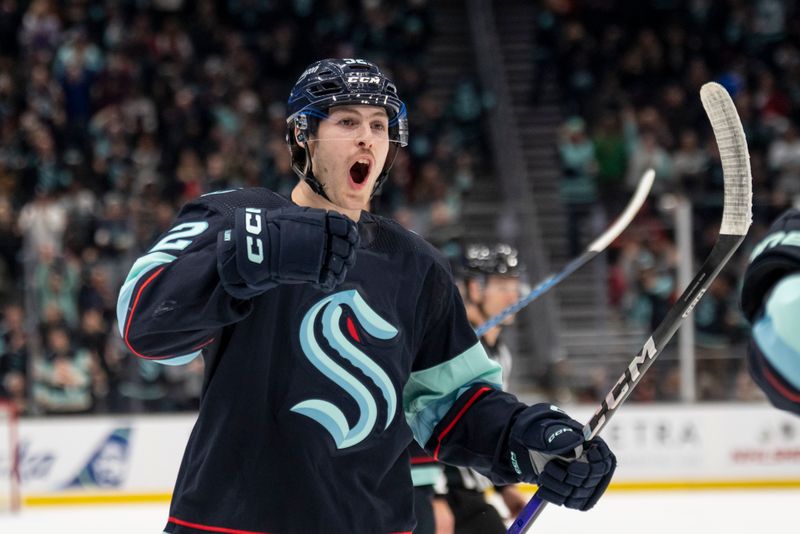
363	79
252	224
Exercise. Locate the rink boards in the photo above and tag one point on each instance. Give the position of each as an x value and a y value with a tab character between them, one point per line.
84	460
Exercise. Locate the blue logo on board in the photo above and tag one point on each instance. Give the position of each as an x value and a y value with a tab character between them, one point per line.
106	468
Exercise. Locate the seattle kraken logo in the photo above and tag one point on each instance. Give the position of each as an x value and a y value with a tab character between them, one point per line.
323	412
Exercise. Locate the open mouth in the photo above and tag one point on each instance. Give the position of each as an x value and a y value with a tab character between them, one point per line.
359	171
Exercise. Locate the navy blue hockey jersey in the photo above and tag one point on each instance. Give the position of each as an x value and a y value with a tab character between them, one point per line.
311	398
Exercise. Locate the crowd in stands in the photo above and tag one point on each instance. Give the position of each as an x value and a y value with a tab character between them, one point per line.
630	79
113	114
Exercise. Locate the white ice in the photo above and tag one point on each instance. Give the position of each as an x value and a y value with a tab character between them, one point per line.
731	512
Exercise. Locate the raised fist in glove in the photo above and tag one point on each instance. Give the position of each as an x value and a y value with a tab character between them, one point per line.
547	447
290	245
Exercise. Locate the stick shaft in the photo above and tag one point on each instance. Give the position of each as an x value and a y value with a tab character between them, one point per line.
736	219
595	247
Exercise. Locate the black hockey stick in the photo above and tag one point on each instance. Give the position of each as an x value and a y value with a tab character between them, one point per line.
736	217
595	247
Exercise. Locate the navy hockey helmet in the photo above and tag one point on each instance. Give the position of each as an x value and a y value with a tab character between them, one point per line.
481	260
335	82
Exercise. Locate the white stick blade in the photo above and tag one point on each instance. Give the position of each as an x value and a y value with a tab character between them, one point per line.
738	210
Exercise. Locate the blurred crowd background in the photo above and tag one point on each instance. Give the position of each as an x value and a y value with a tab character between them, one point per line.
115	113
630	80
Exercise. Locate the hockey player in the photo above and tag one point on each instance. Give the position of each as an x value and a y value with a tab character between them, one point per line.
331	338
490	283
771	302
432	511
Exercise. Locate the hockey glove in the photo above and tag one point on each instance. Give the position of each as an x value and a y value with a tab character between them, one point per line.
778	256
769	298
547	448
291	245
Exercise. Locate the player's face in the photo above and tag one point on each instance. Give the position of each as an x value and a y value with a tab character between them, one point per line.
348	153
499	293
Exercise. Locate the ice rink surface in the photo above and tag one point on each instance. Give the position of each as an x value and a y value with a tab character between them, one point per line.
731	512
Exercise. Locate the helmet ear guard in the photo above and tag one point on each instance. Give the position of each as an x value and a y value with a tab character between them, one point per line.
297	136
300	126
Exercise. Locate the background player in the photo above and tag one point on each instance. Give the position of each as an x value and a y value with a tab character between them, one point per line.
454	500
490	277
771	301
491	283
303	383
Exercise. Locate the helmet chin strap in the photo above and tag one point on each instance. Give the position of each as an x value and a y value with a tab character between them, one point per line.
308	173
317	187
378	185
387	165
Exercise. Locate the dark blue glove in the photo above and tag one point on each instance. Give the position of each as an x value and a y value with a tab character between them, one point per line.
547	447
765	297
291	245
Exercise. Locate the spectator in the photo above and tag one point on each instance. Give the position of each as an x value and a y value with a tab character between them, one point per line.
579	178
654	287
47	170
612	161
41	29
13	357
690	164
57	285
717	323
752	50
784	162
93	336
96	293
42	223
10	21
10	245
119	115
646	152
79	53
114	83
772	103
113	236
172	43
76	85
44	98
62	381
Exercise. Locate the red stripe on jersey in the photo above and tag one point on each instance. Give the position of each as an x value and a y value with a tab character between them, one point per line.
201	345
133	310
222	530
130	320
461	412
423	460
775	382
207	528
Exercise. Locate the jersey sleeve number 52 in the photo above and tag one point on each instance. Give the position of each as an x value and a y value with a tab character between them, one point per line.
176	238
